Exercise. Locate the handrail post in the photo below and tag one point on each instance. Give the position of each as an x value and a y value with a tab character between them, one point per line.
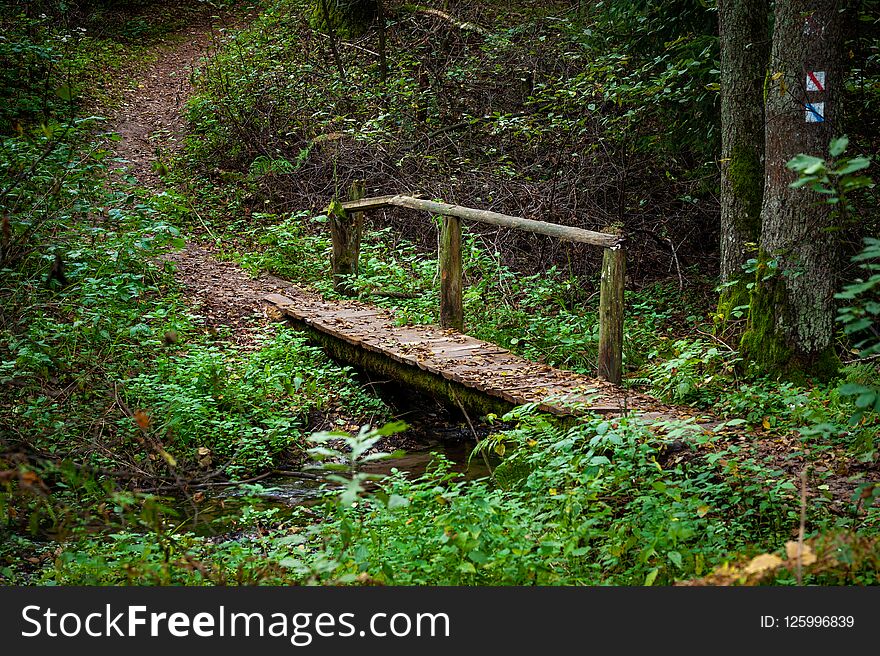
451	311
346	232
611	314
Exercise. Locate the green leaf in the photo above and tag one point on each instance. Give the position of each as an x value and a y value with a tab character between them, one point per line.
851	389
853	164
652	576
478	557
866	400
397	501
838	145
807	164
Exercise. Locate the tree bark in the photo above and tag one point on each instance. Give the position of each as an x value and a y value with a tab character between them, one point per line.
791	315
745	50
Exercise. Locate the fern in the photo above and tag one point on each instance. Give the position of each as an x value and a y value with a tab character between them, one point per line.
264	165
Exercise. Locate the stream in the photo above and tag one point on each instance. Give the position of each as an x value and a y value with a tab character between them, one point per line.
433	429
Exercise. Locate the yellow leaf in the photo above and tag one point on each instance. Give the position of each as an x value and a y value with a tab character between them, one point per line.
766	423
500	449
702	511
552	491
168	457
807	555
763	564
776	75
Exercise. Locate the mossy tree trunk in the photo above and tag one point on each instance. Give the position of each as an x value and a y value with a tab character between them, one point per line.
745	37
345	18
791	317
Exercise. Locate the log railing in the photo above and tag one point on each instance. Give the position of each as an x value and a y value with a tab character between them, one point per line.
347	226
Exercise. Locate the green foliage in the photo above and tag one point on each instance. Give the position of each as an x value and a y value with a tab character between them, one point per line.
833	178
861	322
862	318
247	410
691	371
595	507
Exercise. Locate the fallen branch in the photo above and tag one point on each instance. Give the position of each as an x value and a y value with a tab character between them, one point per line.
428	11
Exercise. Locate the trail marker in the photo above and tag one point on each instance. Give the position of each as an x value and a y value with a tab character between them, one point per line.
815	112
815	81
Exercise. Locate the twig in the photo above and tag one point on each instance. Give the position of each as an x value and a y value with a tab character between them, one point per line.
350	44
800	551
476	438
716	338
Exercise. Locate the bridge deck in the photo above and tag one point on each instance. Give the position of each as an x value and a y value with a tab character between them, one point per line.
480	366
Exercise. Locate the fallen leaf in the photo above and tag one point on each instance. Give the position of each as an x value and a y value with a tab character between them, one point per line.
142	419
807	555
763	564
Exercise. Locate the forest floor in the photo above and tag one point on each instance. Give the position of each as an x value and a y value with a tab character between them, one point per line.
152	126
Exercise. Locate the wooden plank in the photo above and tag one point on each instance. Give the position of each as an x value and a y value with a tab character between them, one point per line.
364	204
462	360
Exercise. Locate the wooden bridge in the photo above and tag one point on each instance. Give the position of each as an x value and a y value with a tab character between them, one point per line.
442	360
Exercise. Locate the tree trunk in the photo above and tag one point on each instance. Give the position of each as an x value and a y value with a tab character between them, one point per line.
791	315
745	39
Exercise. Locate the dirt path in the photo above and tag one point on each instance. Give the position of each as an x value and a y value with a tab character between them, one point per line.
150	120
151	125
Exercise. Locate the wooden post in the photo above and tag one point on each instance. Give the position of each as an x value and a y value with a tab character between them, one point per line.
346	231
451	312
611	314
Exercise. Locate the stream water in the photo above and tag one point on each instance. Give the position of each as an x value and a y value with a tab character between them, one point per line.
432	429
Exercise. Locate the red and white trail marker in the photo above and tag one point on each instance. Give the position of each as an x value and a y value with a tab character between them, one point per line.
815	80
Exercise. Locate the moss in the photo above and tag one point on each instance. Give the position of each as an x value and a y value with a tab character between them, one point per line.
762	347
766	351
511	471
731	297
746	174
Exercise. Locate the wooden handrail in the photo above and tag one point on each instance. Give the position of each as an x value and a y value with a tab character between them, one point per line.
566	233
346	232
